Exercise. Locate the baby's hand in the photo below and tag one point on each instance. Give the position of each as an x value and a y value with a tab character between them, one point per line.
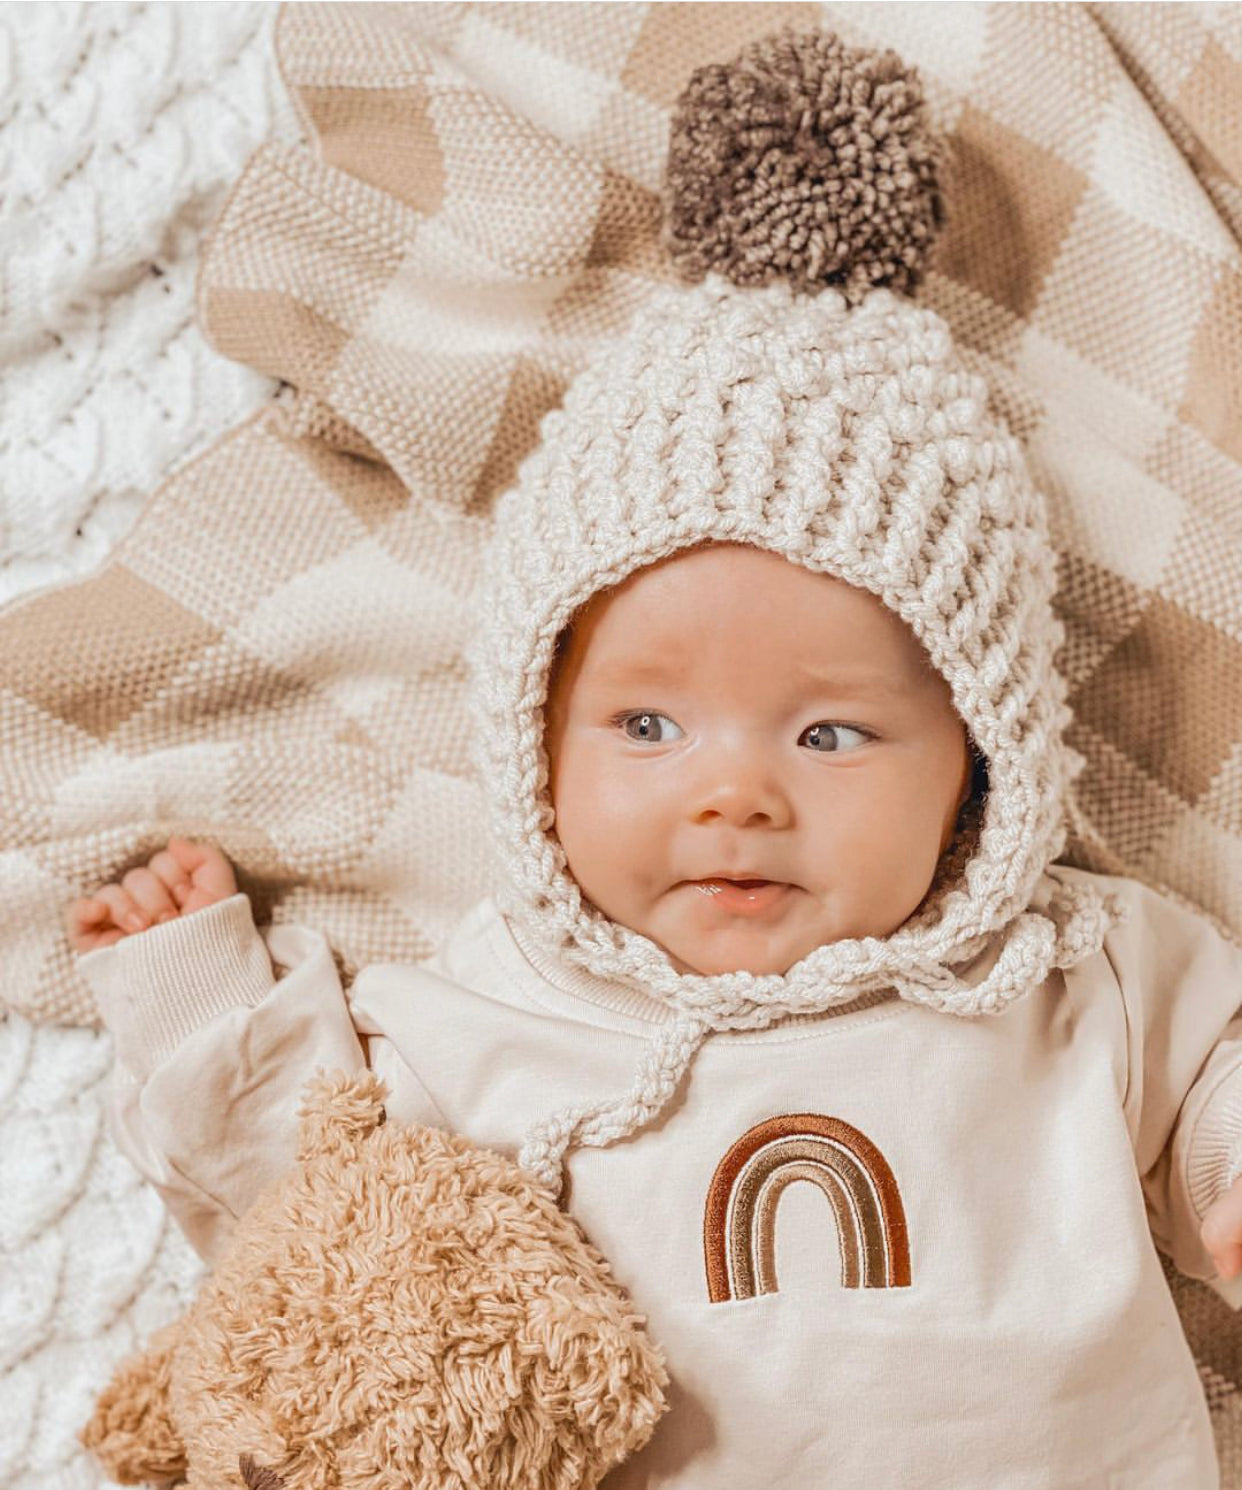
178	880
1221	1232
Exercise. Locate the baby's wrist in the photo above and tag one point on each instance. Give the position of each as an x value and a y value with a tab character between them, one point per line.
154	989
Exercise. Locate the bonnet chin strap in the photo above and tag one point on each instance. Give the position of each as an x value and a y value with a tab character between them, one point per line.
601	1123
1035	943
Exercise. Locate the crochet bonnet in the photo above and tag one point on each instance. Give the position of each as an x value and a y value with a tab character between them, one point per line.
793	397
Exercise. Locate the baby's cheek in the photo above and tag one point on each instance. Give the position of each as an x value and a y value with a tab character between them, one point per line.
877	849
613	839
598	792
586	805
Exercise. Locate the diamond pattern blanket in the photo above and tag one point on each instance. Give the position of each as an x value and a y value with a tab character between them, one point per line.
274	656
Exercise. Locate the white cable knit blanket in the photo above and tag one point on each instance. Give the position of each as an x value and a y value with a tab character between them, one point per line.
121	128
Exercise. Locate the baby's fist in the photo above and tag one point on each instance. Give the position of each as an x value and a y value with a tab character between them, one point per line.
183	878
1221	1232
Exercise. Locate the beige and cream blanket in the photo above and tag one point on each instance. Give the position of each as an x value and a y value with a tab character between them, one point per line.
273	658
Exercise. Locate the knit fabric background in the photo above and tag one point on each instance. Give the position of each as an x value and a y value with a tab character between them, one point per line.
277	645
121	128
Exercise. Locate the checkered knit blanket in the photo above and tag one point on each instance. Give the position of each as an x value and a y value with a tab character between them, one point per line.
274	657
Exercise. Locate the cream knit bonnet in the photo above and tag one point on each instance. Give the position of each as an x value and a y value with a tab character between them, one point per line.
823	417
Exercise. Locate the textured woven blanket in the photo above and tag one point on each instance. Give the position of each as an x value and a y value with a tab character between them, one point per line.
274	656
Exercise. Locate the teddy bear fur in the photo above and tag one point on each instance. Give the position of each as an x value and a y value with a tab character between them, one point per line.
404	1309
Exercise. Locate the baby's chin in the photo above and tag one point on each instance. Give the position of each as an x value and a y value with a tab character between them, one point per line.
688	954
708	961
746	951
757	967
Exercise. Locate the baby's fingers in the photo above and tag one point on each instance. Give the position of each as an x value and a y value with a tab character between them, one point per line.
171	875
1229	1262
151	896
1221	1232
125	910
207	866
88	924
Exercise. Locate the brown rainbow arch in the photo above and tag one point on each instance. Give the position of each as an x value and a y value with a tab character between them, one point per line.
739	1221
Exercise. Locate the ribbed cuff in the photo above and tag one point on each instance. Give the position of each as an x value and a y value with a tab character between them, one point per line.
1215	1159
158	986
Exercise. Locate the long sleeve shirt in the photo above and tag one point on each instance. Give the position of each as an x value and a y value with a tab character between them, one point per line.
879	1246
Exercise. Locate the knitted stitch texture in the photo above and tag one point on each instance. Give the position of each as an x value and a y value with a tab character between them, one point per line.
804	160
855	443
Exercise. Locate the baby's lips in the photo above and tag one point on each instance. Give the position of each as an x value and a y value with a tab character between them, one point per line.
745	881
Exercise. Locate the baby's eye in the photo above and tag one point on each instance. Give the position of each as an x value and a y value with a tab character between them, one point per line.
826	738
647	727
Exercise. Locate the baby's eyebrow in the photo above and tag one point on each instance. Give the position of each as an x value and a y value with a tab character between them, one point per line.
637	669
620	671
856	684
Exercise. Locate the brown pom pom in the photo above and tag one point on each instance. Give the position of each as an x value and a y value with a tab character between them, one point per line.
807	160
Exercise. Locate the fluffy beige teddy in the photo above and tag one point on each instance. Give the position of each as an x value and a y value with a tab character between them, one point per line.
403	1310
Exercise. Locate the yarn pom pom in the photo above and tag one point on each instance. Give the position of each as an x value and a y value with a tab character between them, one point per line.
803	159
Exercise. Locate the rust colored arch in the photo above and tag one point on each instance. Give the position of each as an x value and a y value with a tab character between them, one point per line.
740	1214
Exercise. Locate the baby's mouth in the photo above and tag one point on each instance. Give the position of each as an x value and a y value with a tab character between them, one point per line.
735	890
744	897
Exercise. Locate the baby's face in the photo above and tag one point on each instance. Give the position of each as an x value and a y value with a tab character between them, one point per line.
726	712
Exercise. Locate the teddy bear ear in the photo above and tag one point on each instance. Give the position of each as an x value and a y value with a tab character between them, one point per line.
338	1108
131	1432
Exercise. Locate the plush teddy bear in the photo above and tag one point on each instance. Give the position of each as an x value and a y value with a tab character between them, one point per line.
403	1309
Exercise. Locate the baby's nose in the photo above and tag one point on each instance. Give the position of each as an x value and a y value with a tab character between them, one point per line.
741	788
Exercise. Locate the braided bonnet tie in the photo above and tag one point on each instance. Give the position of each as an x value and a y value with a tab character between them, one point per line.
1035	944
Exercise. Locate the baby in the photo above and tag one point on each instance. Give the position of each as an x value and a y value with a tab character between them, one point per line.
768	724
749	761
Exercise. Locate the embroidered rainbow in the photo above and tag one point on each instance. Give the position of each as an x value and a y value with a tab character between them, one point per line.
739	1222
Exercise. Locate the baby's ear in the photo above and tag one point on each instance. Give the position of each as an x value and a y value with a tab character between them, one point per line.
339	1108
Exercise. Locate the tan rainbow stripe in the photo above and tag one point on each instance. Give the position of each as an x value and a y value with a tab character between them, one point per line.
739	1222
